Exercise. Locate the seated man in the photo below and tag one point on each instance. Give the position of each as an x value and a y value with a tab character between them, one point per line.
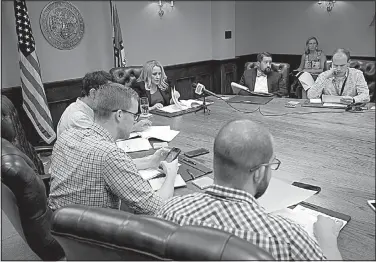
262	79
80	113
243	160
88	168
340	80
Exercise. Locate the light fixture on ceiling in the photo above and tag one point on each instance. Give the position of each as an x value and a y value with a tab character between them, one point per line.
161	4
328	4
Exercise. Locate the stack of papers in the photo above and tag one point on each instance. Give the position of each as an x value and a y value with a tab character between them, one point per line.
134	145
163	133
280	195
315	100
183	105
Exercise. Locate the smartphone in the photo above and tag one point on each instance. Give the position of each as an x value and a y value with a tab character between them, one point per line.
307	186
197	152
172	155
371	203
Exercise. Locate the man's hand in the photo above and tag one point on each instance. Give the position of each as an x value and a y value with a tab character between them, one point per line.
331	73
156	106
158	156
346	100
326	228
141	125
170	169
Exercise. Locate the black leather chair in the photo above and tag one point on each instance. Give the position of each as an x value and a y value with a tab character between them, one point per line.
126	75
90	233
12	130
24	201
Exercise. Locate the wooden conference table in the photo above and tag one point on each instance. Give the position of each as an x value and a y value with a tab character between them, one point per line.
335	151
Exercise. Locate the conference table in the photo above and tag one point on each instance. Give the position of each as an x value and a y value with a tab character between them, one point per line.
326	147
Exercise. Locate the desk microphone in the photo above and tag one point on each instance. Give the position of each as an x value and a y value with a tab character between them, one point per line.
200	88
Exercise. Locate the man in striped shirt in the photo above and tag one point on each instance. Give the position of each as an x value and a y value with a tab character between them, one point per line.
243	160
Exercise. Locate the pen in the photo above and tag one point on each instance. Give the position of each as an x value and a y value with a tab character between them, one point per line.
189	172
189	161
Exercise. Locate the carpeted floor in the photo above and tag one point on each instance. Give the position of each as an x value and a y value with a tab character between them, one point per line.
13	246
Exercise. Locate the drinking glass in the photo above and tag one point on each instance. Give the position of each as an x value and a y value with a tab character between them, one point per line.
144	105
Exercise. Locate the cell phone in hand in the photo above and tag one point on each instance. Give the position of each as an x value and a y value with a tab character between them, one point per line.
197	152
307	186
172	155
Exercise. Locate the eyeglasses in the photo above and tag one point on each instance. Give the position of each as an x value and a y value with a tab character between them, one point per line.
135	116
273	165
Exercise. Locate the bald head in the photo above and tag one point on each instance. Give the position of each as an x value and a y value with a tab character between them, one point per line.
240	146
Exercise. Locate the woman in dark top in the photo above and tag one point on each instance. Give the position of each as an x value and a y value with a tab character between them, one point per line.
154	85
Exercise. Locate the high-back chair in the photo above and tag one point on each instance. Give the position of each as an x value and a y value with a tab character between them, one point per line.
12	130
126	75
91	233
24	201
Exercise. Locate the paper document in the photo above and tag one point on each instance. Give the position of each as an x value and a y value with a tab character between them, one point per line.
147	174
157	183
134	145
334	105
306	80
163	133
315	101
306	217
280	194
331	99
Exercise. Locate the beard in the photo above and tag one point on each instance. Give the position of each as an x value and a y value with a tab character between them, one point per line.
262	187
267	70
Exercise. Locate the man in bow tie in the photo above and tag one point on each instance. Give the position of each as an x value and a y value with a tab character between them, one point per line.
262	78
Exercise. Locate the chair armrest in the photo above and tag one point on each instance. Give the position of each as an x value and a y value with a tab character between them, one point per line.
39	149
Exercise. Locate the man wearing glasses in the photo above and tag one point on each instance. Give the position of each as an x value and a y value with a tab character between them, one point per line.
243	163
89	169
341	80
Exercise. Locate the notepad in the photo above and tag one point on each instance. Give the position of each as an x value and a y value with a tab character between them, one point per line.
334	105
156	183
331	99
315	100
134	145
163	133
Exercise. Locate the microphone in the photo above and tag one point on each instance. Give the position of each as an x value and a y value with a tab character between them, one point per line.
200	88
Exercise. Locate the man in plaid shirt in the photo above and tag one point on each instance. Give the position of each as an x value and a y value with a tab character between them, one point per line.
89	169
243	160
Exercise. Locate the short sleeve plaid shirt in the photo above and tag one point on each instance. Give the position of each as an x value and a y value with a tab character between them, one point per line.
89	169
238	212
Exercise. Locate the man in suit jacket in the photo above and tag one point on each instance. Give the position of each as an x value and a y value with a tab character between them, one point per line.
262	78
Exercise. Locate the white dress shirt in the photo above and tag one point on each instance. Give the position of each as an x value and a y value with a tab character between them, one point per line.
77	114
261	85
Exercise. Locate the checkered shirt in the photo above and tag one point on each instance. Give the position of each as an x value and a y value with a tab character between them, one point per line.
238	212
89	169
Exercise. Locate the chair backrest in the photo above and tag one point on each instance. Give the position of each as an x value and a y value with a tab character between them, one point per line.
126	75
91	233
18	176
12	130
283	68
369	71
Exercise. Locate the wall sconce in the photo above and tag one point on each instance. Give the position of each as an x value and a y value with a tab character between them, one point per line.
329	4
161	4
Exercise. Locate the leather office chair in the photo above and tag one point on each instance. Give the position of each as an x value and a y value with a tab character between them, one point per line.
126	75
12	130
24	202
368	68
283	68
91	233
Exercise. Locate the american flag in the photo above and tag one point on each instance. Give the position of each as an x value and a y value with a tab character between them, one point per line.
34	97
119	53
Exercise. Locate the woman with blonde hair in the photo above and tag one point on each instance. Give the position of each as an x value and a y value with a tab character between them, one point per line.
311	65
153	84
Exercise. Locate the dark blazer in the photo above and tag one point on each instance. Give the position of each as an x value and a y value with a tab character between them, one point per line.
139	87
276	83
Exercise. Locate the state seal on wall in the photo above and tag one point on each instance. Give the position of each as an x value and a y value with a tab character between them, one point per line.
62	25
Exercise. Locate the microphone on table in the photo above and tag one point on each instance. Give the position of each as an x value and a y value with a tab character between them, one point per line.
200	89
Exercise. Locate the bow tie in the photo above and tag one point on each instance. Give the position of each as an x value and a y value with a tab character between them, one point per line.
259	73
